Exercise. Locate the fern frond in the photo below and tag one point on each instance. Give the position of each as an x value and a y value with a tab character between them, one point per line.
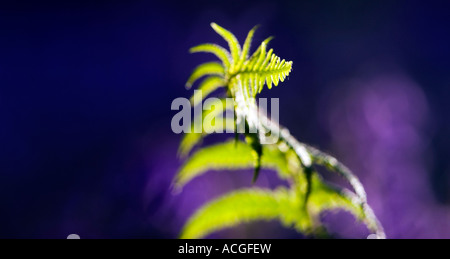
233	43
244	76
215	49
240	207
230	155
252	73
246	48
266	69
209	85
211	68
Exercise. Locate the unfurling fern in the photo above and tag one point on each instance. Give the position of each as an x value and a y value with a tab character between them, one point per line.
244	76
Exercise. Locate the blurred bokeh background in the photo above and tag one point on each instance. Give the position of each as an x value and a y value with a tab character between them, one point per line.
86	88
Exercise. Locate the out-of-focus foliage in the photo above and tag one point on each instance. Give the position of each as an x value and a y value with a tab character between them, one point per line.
287	206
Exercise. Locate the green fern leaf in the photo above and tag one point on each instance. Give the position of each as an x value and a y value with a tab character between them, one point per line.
258	50
262	68
246	48
209	85
266	69
241	207
191	139
230	155
211	68
217	50
233	43
256	204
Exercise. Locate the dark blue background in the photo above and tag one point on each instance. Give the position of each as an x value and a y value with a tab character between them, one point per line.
86	88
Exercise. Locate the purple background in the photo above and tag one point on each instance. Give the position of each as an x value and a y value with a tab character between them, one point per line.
86	88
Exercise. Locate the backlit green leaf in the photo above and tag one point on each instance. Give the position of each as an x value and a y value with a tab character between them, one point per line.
217	50
246	48
230	155
209	85
231	39
241	207
212	68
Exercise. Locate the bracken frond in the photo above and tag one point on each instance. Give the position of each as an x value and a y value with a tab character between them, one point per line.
244	75
261	68
266	68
